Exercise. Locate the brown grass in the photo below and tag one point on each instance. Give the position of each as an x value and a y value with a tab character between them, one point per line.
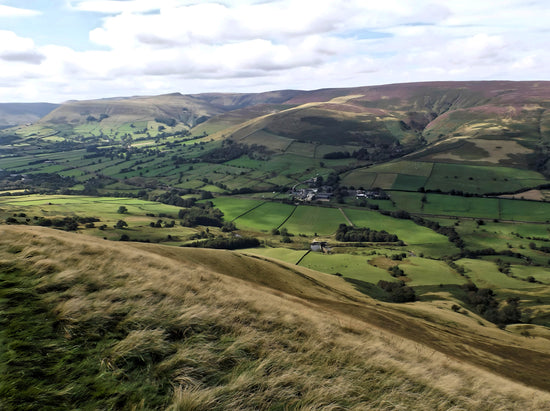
268	334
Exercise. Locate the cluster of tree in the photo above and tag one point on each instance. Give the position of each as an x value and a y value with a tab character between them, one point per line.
283	232
102	116
66	223
466	253
230	151
397	292
173	197
170	122
359	234
373	152
503	266
159	223
483	301
335	155
396	272
227	243
544	249
201	214
47	182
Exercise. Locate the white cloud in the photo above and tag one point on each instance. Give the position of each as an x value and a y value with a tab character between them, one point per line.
8	11
191	46
17	49
116	7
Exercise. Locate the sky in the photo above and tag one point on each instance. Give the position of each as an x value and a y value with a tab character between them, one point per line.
59	50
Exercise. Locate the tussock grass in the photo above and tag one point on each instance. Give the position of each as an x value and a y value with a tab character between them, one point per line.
132	326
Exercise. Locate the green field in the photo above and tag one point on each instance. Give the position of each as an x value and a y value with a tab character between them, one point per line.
412	175
350	266
265	218
486	274
423	271
412	168
359	178
481	179
522	210
106	210
234	207
310	220
417	238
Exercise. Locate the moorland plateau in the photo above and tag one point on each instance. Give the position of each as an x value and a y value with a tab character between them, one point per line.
383	247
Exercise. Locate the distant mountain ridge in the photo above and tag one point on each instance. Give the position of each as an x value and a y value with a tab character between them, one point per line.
472	122
12	114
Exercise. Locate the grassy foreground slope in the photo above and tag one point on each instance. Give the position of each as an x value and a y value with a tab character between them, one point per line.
87	323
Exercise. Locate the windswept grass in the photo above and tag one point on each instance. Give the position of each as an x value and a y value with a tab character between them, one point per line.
89	324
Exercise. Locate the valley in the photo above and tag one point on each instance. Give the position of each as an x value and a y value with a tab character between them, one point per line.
410	215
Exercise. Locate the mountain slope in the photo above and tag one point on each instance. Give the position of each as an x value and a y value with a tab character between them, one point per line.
122	325
510	118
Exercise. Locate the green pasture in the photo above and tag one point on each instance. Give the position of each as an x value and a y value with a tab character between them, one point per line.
285	164
87	206
272	141
461	206
481	179
444	204
411	175
310	220
234	207
408	182
419	239
412	168
359	178
265	217
351	266
541	274
385	180
422	271
485	274
246	162
105	209
522	210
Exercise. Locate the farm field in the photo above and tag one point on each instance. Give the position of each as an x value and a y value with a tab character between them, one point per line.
265	217
234	207
418	239
522	210
486	274
471	207
422	271
349	266
310	220
106	210
481	179
412	175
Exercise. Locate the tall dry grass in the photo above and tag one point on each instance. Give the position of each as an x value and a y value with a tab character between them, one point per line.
209	341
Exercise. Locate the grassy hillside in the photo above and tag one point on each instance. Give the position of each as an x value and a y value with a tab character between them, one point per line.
87	324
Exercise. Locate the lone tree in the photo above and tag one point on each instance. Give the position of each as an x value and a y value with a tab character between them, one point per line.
121	224
122	210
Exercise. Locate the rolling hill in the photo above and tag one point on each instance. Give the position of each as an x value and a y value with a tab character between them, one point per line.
125	325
